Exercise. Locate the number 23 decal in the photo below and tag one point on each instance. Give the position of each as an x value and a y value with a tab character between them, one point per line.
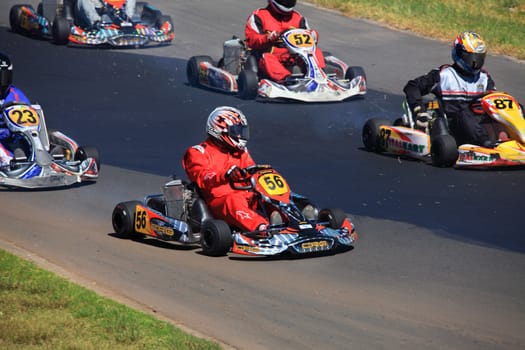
24	116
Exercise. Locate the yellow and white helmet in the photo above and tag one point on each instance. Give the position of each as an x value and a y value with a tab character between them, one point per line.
468	52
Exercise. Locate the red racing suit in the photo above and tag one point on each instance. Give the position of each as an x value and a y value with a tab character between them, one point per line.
206	165
272	58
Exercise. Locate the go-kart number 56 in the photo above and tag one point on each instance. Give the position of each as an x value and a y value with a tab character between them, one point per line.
141	221
273	184
24	116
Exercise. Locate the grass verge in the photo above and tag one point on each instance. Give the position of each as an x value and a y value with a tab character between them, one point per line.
500	22
39	310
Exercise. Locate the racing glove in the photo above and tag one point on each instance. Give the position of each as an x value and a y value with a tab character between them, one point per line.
235	174
422	117
272	36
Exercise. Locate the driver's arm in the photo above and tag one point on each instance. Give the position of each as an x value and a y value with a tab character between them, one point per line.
256	36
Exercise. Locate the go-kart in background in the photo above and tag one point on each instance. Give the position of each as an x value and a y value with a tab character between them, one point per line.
452	233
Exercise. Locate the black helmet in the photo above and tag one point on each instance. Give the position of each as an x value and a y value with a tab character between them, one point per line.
6	74
283	6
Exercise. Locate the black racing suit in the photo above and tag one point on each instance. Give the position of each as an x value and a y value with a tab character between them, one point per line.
456	91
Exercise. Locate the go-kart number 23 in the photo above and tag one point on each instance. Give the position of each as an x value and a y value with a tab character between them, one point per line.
273	184
24	116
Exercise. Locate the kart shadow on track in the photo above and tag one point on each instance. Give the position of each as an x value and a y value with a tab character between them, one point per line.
158	243
52	189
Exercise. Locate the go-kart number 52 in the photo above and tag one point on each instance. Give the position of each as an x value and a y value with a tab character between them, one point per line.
273	184
301	40
24	116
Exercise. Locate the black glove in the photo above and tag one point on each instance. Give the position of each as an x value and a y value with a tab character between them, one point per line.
422	117
235	174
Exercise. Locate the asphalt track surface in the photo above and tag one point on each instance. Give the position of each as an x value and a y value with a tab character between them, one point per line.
440	261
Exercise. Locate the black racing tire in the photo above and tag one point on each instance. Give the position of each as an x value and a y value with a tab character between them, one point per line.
85	152
355	71
123	219
60	30
248	84
163	19
398	122
334	216
216	238
444	151
370	134
192	68
14	17
139	7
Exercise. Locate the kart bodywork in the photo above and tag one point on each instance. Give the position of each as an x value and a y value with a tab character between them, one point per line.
46	158
55	20
180	215
237	72
499	112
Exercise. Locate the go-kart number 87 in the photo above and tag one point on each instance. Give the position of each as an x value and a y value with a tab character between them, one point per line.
384	135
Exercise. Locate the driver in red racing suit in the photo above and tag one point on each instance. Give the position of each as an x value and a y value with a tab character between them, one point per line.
219	160
263	30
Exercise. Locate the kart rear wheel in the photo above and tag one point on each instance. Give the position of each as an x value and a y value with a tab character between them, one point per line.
334	216
14	17
123	218
86	152
444	151
248	84
216	238
60	30
353	72
192	68
163	19
370	135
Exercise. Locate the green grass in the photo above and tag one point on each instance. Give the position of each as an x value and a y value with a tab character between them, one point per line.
500	22
39	310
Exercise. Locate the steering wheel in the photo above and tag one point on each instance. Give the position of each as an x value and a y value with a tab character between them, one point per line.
245	182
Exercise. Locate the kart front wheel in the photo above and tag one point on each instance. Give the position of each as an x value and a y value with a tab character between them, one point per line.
248	84
85	152
334	216
14	17
444	151
370	134
353	72
60	30
123	218
216	238
192	69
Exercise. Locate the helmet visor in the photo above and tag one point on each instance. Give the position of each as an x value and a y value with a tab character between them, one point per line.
474	60
239	132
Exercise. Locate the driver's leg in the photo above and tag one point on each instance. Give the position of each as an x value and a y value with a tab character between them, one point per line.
270	65
235	209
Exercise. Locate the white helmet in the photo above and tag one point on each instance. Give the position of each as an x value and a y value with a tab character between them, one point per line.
229	127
